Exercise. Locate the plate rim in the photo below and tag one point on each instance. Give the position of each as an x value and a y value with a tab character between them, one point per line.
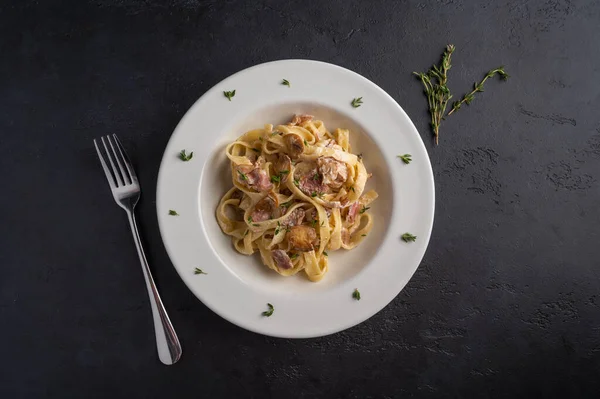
430	183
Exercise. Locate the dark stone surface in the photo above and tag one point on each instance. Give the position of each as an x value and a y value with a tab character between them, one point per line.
506	302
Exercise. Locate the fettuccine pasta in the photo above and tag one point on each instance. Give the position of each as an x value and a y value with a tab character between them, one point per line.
298	193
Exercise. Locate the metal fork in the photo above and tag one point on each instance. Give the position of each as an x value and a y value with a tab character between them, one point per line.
126	191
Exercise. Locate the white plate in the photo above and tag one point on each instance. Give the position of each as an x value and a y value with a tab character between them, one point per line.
238	287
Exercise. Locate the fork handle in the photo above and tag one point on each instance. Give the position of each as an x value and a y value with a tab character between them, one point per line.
167	343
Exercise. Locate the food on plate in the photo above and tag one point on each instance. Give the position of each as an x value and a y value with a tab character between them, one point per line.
298	193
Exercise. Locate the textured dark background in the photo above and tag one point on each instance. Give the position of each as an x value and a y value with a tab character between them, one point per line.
506	301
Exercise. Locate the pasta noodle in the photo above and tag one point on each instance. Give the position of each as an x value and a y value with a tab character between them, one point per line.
298	192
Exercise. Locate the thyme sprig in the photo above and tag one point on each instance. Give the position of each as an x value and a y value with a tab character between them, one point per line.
357	102
407	237
185	157
436	89
406	158
229	94
478	87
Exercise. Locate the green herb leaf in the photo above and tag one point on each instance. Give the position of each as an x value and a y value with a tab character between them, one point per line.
407	237
185	157
229	94
173	213
364	209
357	102
286	204
268	313
325	253
363	235
198	271
406	158
351	188
314	222
305	142
296	182
314	194
356	294
275	179
284	172
246	233
286	82
294	256
243	176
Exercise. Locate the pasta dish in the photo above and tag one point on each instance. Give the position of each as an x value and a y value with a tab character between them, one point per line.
298	193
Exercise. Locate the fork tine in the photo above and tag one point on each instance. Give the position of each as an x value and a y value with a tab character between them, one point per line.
125	158
109	177
119	161
118	178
